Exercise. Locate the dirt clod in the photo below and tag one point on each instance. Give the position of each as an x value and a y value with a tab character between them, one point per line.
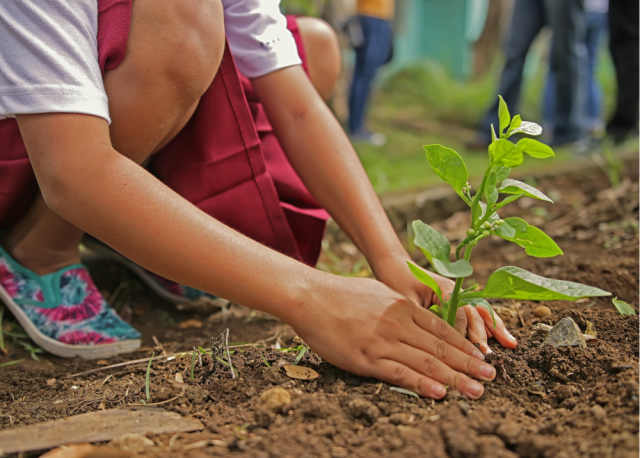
275	399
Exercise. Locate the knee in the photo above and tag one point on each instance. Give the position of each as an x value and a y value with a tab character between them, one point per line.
324	59
192	41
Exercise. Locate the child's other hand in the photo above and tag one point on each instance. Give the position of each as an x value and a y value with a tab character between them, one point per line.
367	328
476	323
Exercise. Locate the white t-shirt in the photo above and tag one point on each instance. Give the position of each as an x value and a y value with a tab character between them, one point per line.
49	53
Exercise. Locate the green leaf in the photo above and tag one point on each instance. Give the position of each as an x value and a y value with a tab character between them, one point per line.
516	121
437	310
527	127
510	186
516	283
623	307
502	173
505	153
534	241
493	134
448	165
503	114
436	248
490	191
534	148
481	303
426	279
505	231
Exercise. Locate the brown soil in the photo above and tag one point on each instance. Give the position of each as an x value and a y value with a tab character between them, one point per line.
545	402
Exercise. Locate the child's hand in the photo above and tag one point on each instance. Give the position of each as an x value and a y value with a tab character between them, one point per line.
476	323
367	328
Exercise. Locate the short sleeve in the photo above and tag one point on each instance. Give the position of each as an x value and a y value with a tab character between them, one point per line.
258	36
49	58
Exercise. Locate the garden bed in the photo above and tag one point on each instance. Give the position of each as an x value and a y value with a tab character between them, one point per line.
545	401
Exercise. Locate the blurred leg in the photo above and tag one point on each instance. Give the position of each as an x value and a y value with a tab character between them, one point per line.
369	58
527	21
323	54
173	53
623	30
596	26
567	19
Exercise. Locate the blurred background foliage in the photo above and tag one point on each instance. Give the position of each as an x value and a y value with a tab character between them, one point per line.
420	101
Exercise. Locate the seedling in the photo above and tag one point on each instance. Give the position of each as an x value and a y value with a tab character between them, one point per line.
623	307
300	355
506	282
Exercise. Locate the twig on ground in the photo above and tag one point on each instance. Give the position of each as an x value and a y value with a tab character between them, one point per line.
226	344
143	360
146	379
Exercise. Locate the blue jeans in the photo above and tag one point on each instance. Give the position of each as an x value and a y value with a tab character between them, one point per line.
596	27
568	57
373	54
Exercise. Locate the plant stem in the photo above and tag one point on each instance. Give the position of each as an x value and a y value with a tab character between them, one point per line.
476	198
453	300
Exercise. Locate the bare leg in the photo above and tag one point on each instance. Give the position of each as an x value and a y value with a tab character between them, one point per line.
323	54
173	52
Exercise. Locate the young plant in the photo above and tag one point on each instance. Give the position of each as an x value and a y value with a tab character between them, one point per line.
506	282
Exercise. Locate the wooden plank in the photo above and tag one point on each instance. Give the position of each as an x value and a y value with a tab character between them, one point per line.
95	427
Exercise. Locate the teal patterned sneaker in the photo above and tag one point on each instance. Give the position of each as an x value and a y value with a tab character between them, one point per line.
63	312
185	297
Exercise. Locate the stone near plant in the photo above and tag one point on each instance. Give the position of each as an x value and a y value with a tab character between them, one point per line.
566	334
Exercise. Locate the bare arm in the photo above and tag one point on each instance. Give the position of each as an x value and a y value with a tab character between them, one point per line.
327	163
90	184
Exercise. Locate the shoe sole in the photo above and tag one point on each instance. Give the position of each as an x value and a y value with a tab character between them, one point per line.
103	252
62	349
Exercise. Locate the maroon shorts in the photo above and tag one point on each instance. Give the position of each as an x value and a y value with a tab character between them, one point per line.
226	160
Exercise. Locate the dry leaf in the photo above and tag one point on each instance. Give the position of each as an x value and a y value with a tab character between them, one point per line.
193	323
300	372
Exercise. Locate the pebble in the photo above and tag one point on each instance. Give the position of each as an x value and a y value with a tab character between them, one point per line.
542	311
275	399
566	334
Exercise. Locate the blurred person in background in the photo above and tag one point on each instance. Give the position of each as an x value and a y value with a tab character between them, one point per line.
623	44
567	60
376	49
596	23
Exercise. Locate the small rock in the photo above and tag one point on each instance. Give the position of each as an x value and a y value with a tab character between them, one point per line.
361	408
51	382
565	334
542	311
179	378
275	399
132	442
598	412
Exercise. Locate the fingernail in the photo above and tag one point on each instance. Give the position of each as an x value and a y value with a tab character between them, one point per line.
438	392
487	372
489	350
475	390
477	354
512	339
